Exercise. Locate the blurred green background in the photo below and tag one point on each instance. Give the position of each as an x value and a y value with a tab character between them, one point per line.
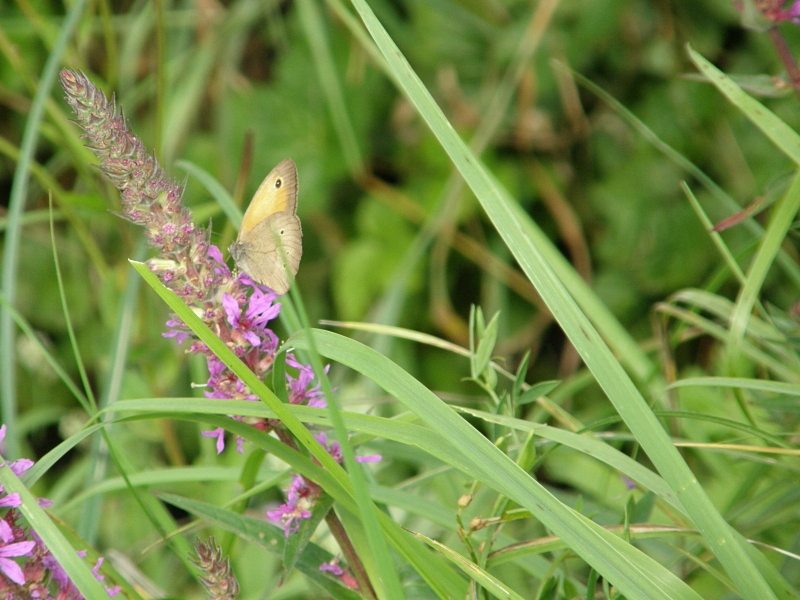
390	234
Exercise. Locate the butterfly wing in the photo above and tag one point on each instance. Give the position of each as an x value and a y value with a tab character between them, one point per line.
271	251
276	194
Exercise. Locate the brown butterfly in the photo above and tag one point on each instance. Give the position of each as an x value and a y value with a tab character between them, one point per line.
270	241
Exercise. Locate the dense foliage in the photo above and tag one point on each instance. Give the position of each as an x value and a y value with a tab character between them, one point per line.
612	142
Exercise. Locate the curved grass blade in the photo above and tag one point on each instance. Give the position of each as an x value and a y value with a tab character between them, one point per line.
485	579
214	187
783	136
333	472
511	223
78	571
16	204
636	574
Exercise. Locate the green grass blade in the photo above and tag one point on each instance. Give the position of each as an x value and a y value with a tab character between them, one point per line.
317	38
227	356
112	384
636	574
431	442
78	571
214	187
761	385
485	579
386	582
91	406
16	205
780	222
724	252
506	217
44	464
431	572
724	200
62	374
783	136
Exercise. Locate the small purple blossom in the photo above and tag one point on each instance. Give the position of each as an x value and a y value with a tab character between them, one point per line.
177	330
337	571
35	573
299	390
218	433
300	498
19	466
288	517
332	567
10	501
335	450
369	458
792	13
237	310
11	569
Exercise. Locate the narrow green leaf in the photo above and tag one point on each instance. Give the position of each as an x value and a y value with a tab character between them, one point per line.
781	220
783	136
490	583
540	389
627	567
13	234
486	342
76	568
215	188
507	218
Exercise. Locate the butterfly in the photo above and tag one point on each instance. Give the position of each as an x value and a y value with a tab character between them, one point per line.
270	241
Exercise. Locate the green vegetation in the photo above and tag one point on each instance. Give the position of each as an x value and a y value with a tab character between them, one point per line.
577	385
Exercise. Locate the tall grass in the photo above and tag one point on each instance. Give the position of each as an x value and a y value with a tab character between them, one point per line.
661	467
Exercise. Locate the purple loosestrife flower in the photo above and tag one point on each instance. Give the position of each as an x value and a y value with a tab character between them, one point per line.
9	568
35	574
299	390
335	450
340	573
302	494
300	499
235	308
773	10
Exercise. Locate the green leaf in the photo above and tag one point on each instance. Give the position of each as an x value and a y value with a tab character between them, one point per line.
76	568
643	508
215	188
626	566
768	122
487	338
540	389
330	474
490	583
519	379
511	223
